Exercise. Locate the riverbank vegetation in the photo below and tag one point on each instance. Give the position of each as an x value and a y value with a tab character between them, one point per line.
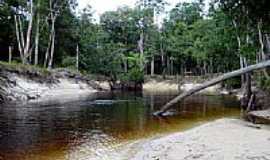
194	38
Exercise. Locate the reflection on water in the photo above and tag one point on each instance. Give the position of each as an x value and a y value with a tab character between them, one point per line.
56	131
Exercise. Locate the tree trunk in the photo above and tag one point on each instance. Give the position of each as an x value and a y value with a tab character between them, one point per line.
141	49
29	31
242	76
172	71
263	56
9	54
47	51
168	65
125	61
267	43
37	34
21	31
18	38
204	67
211	70
52	45
153	66
77	57
163	61
241	60
215	81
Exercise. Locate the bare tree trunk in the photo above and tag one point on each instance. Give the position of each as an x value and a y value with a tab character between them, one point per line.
168	65
52	45
172	69
29	31
267	43
9	54
125	61
77	57
251	103
182	70
204	67
18	38
47	51
141	48
163	61
153	66
37	34
21	31
215	81
211	70
240	56
263	56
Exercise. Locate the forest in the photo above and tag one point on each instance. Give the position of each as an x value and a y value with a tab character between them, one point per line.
194	38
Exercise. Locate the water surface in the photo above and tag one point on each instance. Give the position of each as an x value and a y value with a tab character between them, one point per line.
56	131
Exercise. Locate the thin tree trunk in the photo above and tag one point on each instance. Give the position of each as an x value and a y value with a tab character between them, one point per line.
214	81
9	54
182	70
267	43
77	57
248	90
21	31
29	31
168	65
125	61
211	66
163	62
242	65
37	34
172	69
48	51
250	103
205	67
52	45
263	56
18	38
153	66
141	49
240	56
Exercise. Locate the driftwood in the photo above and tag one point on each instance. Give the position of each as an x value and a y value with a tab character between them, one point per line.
215	81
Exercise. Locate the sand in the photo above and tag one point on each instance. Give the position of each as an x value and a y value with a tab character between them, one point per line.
224	139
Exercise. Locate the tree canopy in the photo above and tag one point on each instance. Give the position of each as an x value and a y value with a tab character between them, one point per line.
49	33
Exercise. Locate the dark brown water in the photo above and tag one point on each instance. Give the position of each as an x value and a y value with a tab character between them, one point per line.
54	131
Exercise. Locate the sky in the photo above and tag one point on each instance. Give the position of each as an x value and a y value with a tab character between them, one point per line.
101	6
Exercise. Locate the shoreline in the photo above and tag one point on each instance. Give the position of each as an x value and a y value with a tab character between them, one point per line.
35	85
230	139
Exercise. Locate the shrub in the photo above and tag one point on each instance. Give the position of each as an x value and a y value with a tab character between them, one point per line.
134	75
264	83
69	62
233	83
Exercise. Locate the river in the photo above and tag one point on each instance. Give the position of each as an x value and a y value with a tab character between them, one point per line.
98	124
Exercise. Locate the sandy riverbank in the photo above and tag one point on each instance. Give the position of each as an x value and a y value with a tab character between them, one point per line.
154	85
224	139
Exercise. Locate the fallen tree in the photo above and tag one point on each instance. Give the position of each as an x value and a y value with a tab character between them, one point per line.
215	81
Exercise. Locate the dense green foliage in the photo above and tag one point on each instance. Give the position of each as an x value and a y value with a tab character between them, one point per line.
129	42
